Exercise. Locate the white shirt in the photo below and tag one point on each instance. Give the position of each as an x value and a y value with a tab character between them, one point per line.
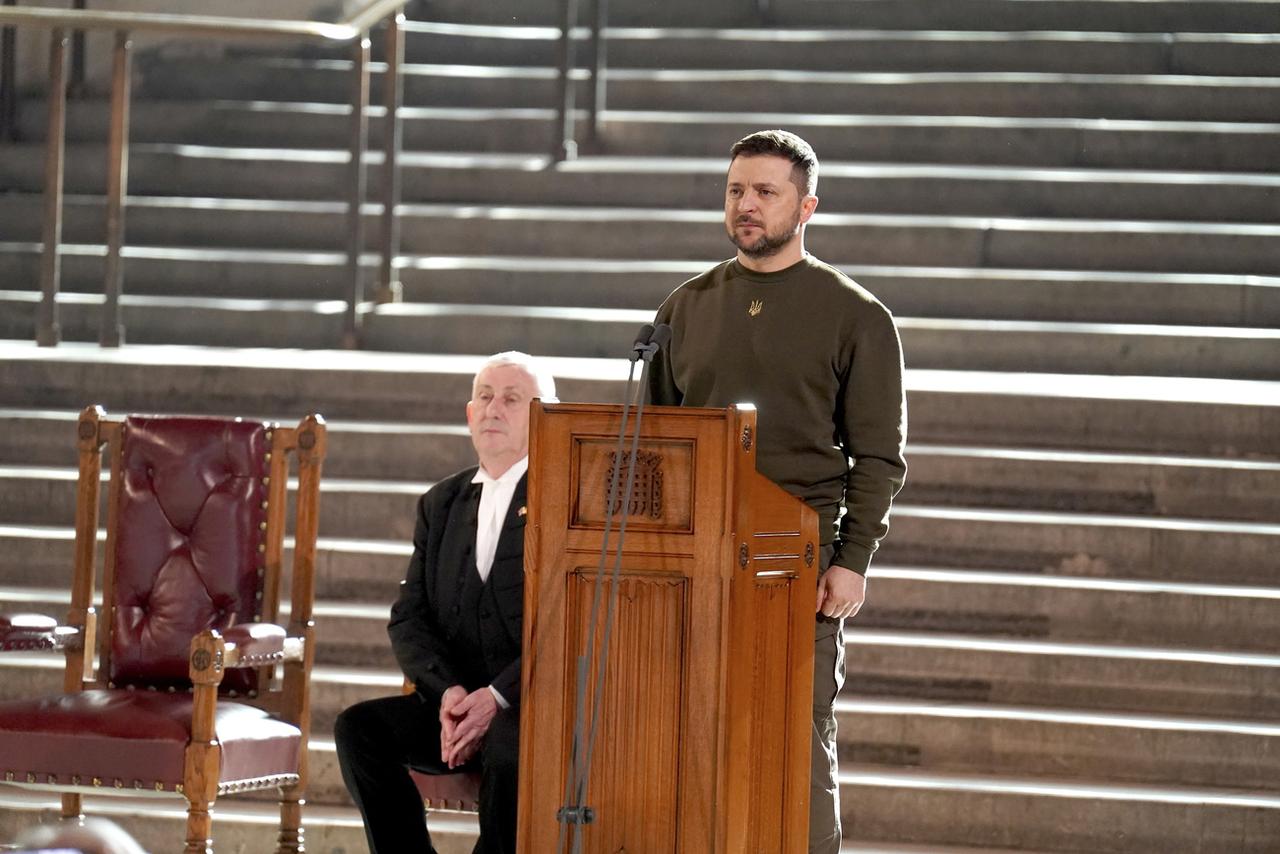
495	501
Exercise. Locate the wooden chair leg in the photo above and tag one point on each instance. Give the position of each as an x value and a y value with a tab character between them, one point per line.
71	806
291	831
199	829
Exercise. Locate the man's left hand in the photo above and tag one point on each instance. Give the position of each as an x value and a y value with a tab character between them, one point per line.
841	592
473	713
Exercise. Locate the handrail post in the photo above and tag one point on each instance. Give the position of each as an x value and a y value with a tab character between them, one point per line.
599	62
355	188
8	80
47	330
111	333
389	286
75	88
564	147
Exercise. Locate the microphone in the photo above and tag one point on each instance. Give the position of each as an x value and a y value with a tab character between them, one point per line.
661	336
654	337
641	344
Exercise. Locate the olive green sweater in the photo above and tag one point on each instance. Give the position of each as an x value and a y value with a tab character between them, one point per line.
819	357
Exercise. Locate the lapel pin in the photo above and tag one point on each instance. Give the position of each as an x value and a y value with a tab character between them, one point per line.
523	511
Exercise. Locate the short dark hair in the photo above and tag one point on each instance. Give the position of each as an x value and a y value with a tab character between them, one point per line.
782	143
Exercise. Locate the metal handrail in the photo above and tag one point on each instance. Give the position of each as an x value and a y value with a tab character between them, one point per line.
356	24
564	145
354	29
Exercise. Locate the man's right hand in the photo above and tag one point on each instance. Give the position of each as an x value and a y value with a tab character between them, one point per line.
449	719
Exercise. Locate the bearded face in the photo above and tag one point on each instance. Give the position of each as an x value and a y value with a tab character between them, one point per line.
764	210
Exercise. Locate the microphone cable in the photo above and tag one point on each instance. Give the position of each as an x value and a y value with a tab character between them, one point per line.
573	813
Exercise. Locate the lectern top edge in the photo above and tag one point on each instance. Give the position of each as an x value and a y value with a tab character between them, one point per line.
678	411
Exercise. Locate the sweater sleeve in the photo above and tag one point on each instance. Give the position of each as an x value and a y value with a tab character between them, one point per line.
662	382
872	418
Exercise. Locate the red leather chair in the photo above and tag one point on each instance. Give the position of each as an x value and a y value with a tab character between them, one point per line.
182	701
459	790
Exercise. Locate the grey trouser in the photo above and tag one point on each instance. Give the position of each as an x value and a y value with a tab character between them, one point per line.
824	781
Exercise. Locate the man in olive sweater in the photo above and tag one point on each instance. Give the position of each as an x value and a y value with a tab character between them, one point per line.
819	357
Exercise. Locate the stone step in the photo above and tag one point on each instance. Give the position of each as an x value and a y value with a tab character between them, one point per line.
1053	142
957	292
690	234
920	730
1025	94
829	49
485	178
1142	414
980	738
1202	417
1096	676
246	823
1080	544
370	459
1130	484
1056	813
1053	545
1135	16
925	666
988	345
1071	607
163	169
1215	490
961	602
950	740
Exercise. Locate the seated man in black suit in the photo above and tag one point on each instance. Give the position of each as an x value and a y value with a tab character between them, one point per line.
456	632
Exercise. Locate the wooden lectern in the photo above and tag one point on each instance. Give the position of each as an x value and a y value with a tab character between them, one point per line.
704	736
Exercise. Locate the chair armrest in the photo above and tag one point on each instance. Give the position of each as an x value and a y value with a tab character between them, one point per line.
37	632
258	644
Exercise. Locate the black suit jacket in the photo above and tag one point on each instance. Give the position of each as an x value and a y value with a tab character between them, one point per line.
425	619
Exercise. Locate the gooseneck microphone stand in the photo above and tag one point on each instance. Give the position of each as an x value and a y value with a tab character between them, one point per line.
574	814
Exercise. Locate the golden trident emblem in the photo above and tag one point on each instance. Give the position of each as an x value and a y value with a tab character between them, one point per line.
757	306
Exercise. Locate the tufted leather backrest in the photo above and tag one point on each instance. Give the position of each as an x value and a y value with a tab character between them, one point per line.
190	526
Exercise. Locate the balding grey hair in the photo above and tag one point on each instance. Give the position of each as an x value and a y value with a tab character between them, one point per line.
542	378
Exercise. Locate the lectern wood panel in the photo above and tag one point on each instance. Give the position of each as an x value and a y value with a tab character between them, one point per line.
703	731
635	767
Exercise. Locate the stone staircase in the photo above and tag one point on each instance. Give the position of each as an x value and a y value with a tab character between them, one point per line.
1071	206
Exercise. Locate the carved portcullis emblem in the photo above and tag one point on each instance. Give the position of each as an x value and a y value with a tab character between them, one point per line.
646	491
